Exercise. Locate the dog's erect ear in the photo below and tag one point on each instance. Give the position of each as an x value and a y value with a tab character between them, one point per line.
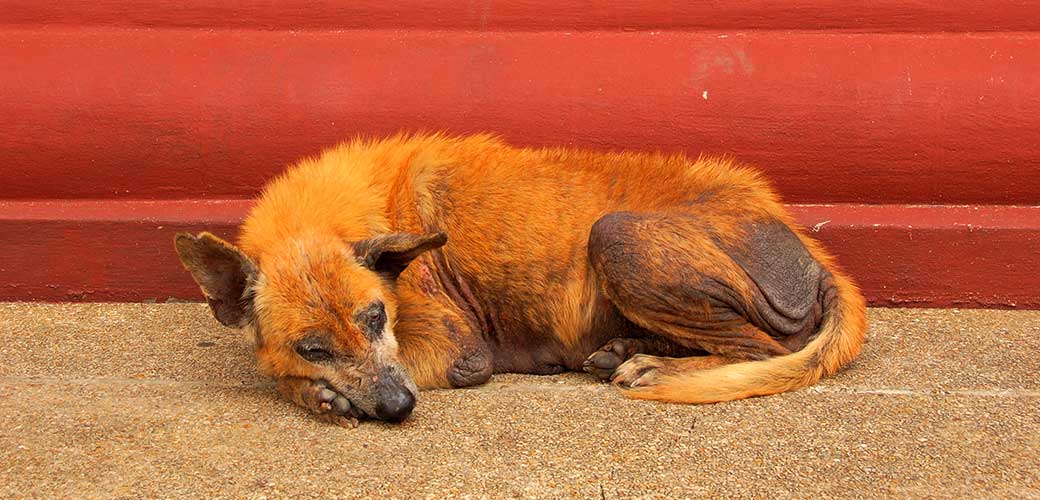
224	274
389	254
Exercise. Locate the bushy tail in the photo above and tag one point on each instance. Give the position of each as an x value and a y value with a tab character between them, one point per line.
842	331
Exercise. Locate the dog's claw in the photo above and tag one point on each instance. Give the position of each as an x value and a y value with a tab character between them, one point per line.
341	404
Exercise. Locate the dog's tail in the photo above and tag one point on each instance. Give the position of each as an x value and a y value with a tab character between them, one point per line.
838	340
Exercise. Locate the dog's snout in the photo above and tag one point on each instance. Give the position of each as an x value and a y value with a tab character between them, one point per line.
395	402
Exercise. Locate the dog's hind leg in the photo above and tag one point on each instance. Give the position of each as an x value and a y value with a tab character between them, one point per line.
750	296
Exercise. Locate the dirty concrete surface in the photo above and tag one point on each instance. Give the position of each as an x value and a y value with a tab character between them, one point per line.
159	401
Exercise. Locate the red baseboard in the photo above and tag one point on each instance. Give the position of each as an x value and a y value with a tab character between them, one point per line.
934	256
104	250
928	256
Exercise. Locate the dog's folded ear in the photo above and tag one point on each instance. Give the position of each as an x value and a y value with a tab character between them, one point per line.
390	254
223	272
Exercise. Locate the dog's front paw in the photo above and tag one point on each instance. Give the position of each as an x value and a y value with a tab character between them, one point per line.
472	369
318	397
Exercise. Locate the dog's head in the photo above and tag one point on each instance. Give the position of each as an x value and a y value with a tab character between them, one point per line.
320	310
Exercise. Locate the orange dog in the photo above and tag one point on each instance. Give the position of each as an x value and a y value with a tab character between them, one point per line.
680	280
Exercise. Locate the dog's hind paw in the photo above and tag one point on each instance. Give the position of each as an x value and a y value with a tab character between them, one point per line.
641	370
604	362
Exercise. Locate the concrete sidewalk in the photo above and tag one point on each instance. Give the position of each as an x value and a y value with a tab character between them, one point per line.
139	400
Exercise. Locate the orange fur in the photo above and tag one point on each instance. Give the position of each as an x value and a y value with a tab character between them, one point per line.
518	221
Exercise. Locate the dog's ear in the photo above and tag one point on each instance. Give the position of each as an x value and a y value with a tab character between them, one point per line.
389	254
223	272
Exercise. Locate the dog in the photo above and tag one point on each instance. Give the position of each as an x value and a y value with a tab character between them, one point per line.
418	261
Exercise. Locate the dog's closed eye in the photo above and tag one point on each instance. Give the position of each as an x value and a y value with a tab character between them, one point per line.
314	351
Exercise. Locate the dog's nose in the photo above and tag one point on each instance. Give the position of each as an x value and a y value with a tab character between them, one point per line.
395	403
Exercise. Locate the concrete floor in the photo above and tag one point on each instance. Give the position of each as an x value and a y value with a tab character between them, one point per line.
147	400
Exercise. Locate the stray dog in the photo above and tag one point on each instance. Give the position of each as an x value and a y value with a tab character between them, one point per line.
679	280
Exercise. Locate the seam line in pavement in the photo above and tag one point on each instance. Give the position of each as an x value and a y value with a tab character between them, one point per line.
523	387
898	391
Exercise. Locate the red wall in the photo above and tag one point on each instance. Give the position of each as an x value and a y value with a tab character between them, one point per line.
907	135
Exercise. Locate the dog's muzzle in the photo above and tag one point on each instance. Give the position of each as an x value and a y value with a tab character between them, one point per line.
395	401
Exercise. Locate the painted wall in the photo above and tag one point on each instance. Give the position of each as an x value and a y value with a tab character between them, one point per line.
906	135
